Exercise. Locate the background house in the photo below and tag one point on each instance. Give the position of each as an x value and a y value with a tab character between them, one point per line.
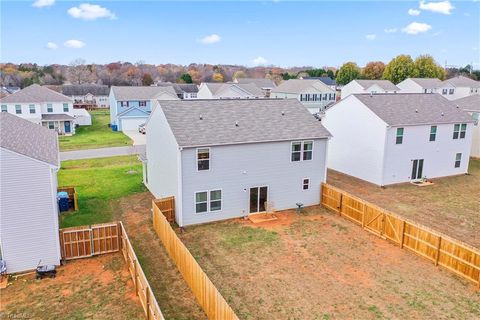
211	90
183	90
368	86
394	138
420	85
459	87
264	84
327	80
131	106
43	106
313	94
471	104
87	95
228	158
29	163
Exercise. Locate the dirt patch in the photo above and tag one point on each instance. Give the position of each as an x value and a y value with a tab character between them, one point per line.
84	288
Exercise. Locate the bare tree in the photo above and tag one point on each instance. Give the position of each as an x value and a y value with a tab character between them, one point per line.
79	72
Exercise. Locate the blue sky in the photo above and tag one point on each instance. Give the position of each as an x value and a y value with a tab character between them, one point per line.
284	33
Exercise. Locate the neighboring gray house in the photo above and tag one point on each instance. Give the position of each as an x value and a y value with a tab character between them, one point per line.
229	90
471	104
420	85
183	90
327	80
87	94
359	86
29	164
223	159
264	84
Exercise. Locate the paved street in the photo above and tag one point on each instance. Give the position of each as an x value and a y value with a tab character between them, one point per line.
102	152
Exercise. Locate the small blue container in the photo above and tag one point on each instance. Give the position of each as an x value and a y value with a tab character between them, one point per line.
63	201
114	127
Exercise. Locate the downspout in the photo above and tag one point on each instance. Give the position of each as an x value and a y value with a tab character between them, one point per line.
179	201
385	145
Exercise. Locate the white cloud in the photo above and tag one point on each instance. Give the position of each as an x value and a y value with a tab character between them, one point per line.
391	30
416	28
371	36
259	61
76	44
413	12
52	45
89	11
43	3
213	38
443	7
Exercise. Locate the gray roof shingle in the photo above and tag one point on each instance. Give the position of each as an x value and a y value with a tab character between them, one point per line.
298	85
470	103
259	82
250	88
141	93
35	94
29	139
83	89
258	121
327	80
427	83
57	117
462	81
384	84
413	108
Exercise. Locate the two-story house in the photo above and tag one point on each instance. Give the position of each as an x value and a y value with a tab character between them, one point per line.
183	90
315	95
94	95
420	85
229	158
368	86
131	106
43	106
471	105
459	87
395	138
264	84
229	90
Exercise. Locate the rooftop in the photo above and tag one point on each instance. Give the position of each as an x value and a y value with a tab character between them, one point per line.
259	82
427	83
83	89
35	94
299	85
470	103
461	81
223	122
141	93
327	80
29	139
384	84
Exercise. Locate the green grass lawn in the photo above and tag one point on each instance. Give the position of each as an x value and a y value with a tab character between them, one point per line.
98	135
98	183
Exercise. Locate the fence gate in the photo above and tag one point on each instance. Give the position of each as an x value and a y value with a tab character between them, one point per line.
87	241
167	207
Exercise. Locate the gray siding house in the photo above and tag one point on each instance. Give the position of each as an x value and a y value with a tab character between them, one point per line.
223	159
28	194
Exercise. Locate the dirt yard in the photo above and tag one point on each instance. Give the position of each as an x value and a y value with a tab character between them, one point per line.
93	288
451	205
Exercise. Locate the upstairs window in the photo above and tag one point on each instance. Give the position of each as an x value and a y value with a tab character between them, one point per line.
124	103
4	108
18	109
49	107
306	184
203	159
459	130
451	91
444	91
302	150
32	108
458	160
65	107
399	136
433	133
142	103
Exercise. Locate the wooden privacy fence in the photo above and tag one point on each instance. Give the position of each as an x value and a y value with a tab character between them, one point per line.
87	241
209	298
142	287
167	207
442	250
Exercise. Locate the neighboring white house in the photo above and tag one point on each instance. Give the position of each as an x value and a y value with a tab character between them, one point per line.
28	194
420	85
315	95
459	87
213	90
394	138
82	117
88	94
223	159
131	106
43	106
183	90
264	84
471	104
368	86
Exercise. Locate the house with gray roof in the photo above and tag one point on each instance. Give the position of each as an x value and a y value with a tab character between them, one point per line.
315	95
264	84
459	87
368	86
183	90
229	158
87	94
395	138
43	106
131	106
29	163
420	85
471	104
229	90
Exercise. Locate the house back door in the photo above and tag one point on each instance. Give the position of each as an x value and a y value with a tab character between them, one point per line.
417	169
67	127
258	199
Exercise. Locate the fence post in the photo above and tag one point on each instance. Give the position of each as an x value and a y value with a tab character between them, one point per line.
147	301
437	253
402	235
92	244
363	214
135	276
340	204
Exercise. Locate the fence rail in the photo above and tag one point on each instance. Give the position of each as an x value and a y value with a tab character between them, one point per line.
204	290
442	250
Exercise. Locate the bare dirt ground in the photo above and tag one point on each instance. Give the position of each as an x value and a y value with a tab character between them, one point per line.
92	288
451	205
173	295
320	266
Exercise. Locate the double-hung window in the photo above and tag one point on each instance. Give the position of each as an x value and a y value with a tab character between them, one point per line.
459	130
433	133
124	103
208	201
51	125
444	91
451	91
49	107
458	160
203	159
65	107
306	184
32	108
302	150
142	103
18	109
4	108
399	136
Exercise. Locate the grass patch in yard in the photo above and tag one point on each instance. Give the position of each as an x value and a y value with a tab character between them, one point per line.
245	237
98	135
99	181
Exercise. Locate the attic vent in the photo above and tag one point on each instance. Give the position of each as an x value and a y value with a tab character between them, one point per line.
283	113
201	117
416	110
236	123
443	114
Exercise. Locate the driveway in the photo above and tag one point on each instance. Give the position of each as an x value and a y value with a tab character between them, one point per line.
138	138
102	152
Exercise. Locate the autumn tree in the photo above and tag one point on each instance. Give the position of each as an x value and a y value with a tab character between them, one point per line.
217	77
348	71
147	79
78	72
427	67
373	70
400	68
239	74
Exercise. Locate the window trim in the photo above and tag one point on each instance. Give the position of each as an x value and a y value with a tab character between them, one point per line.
302	149
49	108
209	159
458	160
307	184
461	133
67	107
208	202
433	133
4	108
31	107
399	136
18	107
